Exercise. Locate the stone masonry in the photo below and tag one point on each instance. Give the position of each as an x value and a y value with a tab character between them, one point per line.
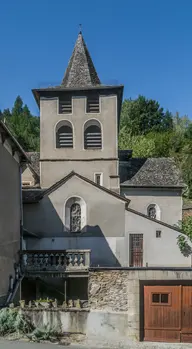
108	290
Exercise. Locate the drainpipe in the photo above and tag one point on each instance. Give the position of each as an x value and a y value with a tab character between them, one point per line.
21	213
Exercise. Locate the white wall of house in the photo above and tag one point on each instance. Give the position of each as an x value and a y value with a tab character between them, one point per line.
169	202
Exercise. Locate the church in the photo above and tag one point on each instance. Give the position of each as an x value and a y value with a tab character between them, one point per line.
94	217
81	192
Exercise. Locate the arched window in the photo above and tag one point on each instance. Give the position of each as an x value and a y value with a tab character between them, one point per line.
153	211
64	134
75	215
92	135
75	218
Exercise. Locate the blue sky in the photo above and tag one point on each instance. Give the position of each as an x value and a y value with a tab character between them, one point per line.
144	44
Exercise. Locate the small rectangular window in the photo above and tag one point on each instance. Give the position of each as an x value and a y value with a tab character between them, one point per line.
158	233
98	178
65	105
161	298
93	104
26	184
156	298
164	298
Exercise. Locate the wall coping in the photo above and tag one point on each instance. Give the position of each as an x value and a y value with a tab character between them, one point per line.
95	269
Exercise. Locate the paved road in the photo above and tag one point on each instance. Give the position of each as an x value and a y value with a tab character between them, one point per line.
25	345
141	345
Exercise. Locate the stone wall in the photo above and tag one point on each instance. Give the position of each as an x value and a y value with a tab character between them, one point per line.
108	290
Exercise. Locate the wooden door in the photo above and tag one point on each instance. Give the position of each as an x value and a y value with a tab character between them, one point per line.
136	250
186	314
162	313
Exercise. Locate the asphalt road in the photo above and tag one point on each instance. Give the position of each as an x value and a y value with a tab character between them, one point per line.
26	345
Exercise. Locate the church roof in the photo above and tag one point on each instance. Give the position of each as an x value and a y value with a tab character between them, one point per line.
6	133
80	71
150	172
34	159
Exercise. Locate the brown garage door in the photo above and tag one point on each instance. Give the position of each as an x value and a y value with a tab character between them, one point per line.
168	313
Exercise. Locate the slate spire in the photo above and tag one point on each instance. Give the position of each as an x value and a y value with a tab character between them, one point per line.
80	71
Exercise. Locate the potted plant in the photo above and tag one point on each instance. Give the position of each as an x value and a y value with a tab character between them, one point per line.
46	303
22	303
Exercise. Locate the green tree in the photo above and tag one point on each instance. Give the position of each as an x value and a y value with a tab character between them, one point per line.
24	126
142	115
185	241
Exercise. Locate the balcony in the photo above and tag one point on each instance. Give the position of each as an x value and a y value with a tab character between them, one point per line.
60	261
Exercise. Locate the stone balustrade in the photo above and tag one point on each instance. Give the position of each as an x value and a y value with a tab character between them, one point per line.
53	261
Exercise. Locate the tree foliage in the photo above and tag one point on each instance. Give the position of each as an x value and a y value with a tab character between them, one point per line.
184	241
141	116
23	125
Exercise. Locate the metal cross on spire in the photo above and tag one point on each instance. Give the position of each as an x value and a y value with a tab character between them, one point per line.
80	28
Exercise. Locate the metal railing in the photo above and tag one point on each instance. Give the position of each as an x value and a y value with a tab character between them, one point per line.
52	260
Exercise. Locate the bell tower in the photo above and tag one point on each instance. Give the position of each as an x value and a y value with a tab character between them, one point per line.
79	123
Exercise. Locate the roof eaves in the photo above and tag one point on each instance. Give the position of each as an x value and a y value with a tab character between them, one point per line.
16	143
153	220
71	174
128	185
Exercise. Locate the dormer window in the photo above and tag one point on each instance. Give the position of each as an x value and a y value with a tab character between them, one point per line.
65	105
93	104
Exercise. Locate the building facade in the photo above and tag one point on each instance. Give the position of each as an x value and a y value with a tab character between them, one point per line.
90	207
12	158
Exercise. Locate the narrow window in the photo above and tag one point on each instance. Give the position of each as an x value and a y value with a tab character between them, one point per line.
92	135
93	104
65	105
64	136
98	178
75	218
158	233
151	211
136	250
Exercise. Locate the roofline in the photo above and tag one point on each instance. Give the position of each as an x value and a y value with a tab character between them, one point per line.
73	173
59	88
16	143
153	220
152	186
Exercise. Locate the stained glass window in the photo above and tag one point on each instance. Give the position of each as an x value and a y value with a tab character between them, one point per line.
75	218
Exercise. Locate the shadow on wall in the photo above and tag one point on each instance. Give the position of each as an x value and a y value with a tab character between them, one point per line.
54	235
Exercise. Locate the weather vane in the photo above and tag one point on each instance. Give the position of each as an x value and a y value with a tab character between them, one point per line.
80	28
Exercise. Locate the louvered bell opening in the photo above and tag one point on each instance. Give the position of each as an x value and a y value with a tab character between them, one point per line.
65	106
93	138
93	104
65	137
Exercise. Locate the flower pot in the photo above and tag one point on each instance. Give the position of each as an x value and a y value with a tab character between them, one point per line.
45	304
22	303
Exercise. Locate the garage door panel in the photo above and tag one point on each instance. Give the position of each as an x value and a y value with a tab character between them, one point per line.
162	315
186	309
162	336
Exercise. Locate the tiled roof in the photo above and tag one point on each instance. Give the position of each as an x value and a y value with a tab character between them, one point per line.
32	195
80	71
150	172
34	158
